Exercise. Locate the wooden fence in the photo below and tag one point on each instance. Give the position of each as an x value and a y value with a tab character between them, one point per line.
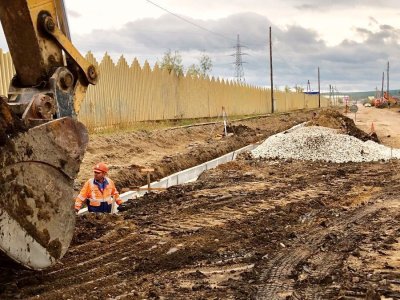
127	94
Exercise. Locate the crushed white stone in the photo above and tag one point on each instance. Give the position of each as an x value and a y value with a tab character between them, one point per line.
323	144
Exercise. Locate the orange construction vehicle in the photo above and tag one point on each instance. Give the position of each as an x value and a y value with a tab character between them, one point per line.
386	101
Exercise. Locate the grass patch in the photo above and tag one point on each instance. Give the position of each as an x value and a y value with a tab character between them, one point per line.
149	126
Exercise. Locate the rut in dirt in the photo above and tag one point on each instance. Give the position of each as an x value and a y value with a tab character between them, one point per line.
222	236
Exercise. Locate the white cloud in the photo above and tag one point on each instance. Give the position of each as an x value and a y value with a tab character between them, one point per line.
297	51
346	39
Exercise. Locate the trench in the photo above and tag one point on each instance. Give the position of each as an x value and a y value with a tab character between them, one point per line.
185	176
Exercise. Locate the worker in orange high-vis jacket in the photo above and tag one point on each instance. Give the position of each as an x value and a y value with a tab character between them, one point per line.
98	192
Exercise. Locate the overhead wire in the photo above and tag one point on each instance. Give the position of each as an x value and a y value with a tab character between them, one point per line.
193	24
295	69
188	21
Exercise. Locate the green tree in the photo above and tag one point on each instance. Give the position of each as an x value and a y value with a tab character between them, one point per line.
203	68
206	64
172	62
298	89
193	70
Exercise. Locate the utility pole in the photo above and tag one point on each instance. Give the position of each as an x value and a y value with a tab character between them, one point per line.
319	90
270	64
387	91
337	94
383	80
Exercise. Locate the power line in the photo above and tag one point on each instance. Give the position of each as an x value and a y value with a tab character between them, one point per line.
239	73
190	22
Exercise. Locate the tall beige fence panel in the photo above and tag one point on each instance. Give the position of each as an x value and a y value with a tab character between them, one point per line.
234	100
207	101
7	71
262	106
196	97
145	102
297	102
121	103
264	100
168	94
279	101
107	110
144	92
188	91
87	106
228	95
126	94
215	101
288	99
294	101
102	109
267	93
324	103
311	101
155	94
139	113
3	80
9	66
136	85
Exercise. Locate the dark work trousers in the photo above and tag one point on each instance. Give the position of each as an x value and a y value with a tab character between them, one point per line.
103	208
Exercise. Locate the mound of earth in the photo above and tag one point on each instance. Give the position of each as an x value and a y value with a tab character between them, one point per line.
239	129
334	119
93	226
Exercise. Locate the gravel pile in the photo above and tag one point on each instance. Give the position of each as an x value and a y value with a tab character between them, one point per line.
321	143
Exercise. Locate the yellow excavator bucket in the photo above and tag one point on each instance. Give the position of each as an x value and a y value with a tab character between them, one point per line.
37	168
41	144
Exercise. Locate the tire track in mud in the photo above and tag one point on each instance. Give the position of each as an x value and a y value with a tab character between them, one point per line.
65	279
212	239
278	276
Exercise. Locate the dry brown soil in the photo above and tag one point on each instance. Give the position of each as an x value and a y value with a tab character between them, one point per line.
386	123
249	229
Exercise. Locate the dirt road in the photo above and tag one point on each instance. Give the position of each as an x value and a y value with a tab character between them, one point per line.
386	123
249	229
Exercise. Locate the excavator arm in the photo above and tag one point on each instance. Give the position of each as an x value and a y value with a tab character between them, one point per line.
41	142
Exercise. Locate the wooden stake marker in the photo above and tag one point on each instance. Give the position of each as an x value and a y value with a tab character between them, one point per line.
148	171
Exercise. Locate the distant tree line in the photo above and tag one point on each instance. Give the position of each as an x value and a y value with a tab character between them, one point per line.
172	62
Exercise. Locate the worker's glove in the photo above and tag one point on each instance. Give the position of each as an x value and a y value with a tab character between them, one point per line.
123	207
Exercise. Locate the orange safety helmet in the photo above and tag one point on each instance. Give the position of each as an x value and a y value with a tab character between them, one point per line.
101	167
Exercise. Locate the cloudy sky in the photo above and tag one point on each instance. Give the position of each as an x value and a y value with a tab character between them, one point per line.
351	41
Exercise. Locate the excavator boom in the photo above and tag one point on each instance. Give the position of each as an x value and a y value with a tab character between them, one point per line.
41	143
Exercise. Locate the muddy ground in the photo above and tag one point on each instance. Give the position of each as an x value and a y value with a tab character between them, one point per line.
249	229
